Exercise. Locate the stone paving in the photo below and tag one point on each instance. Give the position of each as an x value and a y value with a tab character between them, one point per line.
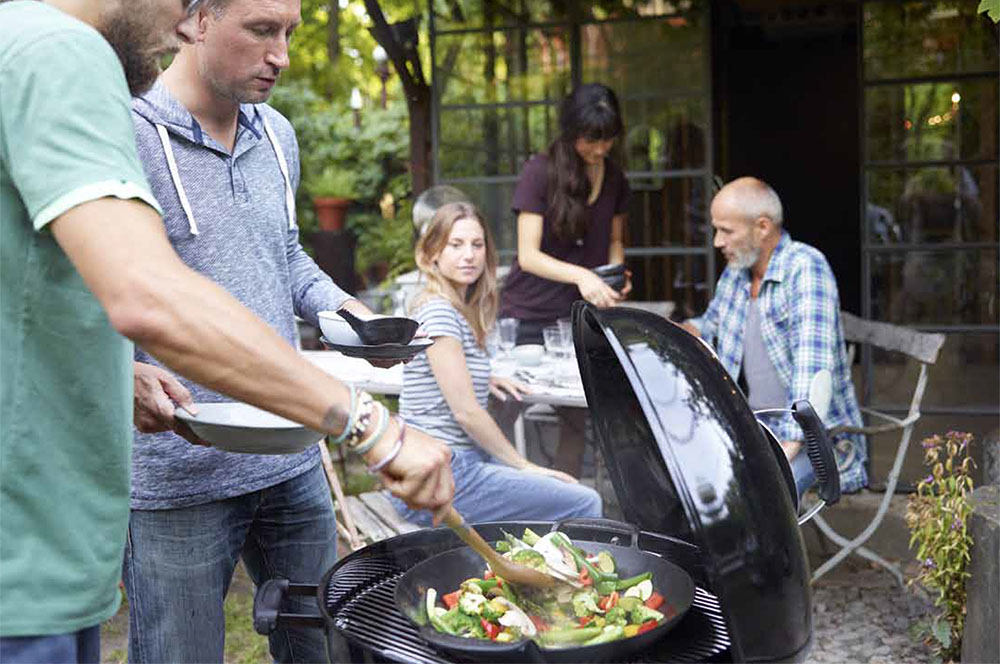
861	615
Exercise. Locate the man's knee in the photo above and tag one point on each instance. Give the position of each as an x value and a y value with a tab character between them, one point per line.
589	503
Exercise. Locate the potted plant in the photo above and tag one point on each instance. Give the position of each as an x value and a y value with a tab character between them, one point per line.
332	192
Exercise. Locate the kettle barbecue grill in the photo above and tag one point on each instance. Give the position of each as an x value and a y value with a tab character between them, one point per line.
701	483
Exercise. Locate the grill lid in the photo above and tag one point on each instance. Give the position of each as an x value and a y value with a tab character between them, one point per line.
687	458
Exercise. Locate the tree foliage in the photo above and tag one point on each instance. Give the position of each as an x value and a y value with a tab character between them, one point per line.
991	8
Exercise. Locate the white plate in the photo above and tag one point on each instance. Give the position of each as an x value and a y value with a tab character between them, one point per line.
240	427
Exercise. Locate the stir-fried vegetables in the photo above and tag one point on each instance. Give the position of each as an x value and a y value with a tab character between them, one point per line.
592	605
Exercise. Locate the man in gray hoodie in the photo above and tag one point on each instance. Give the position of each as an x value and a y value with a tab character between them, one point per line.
225	167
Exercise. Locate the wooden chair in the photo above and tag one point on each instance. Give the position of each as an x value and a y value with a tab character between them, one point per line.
923	348
366	518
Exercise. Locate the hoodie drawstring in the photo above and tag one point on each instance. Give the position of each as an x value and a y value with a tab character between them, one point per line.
175	175
283	165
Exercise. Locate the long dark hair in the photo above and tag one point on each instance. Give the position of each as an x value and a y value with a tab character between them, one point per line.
591	112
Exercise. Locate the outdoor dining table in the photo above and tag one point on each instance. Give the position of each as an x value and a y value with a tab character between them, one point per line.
361	374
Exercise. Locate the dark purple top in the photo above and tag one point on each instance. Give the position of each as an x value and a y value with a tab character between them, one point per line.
529	297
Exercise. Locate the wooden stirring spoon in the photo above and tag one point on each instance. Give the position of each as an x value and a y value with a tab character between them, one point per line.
510	571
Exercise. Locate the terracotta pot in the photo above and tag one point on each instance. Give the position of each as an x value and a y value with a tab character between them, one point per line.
331	212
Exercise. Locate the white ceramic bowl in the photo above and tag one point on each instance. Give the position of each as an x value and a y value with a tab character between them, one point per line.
337	330
529	355
240	427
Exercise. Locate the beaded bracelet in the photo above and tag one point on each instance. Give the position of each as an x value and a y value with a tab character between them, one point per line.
394	452
364	411
350	418
380	428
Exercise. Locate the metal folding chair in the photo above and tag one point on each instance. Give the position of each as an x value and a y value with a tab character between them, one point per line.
922	347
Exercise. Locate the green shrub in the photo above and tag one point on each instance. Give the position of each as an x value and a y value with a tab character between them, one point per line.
334	183
362	163
937	515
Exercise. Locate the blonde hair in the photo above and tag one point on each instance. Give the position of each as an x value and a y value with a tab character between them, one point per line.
482	299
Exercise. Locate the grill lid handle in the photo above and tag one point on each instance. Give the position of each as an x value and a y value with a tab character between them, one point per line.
267	603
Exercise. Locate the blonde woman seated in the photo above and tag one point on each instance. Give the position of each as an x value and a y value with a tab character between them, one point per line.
445	390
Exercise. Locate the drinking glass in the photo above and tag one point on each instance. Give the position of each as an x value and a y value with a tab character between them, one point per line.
566	325
555	341
508	334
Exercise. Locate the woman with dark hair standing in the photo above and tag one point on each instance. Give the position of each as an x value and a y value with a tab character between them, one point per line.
571	205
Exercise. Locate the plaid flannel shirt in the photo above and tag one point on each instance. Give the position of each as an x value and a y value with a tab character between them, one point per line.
800	325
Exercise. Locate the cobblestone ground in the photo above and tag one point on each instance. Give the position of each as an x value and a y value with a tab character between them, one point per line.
861	615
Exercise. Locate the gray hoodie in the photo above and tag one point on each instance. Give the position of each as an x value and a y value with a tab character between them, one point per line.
231	218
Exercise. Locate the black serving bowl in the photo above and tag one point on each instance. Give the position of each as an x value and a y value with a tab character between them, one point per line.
382	330
613	274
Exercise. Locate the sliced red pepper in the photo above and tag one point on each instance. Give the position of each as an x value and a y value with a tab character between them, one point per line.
488	574
540	624
585	577
584	620
655	601
491	629
451	599
646	626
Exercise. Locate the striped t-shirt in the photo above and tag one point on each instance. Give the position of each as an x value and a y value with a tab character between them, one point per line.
421	401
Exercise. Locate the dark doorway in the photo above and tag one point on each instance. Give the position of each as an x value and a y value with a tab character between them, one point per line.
787	100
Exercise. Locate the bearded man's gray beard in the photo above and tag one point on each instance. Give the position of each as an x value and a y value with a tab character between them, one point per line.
745	259
127	36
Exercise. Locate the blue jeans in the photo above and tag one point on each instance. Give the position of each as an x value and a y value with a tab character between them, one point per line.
178	565
489	491
82	647
802	471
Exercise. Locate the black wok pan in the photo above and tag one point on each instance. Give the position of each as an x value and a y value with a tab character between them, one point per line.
446	571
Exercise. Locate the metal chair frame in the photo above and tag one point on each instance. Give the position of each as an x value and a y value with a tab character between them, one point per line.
920	346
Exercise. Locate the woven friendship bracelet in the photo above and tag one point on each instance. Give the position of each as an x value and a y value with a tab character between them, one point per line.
394	452
350	418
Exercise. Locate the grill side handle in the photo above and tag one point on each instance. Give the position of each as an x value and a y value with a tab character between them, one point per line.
820	451
271	596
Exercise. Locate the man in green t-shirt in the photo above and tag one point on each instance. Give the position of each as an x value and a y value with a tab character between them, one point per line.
85	263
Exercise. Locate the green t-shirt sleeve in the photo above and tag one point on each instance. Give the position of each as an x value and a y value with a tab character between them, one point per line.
67	132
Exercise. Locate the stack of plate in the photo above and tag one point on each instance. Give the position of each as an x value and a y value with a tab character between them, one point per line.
374	338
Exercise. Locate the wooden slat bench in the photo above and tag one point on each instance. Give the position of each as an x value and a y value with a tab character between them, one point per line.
375	517
363	519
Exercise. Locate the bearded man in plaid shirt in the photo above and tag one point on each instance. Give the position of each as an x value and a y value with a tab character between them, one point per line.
775	324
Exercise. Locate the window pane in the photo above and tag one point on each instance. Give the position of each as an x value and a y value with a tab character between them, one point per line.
678	279
927	287
926	38
639	59
667	212
955	204
490	67
930	121
492	141
663	134
493	200
463	14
